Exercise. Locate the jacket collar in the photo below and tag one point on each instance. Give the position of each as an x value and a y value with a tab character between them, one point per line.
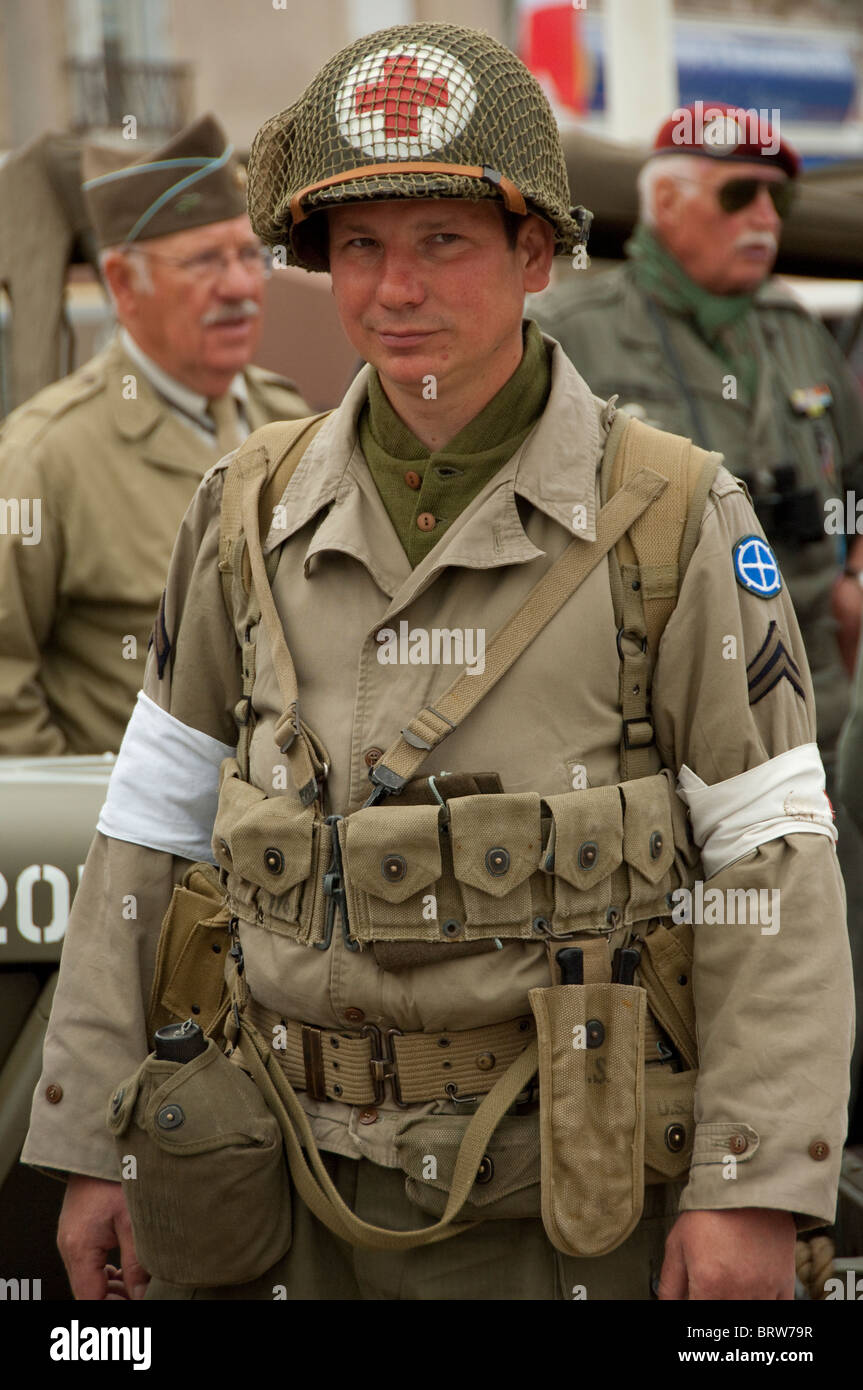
147	419
554	469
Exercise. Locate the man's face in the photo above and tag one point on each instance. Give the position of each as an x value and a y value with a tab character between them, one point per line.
431	287
201	322
724	252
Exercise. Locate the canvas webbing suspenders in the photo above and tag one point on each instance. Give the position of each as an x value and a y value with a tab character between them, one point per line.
249	493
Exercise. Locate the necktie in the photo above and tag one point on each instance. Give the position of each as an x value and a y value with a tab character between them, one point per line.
222	411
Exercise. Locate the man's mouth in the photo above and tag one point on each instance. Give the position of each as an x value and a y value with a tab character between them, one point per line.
401	337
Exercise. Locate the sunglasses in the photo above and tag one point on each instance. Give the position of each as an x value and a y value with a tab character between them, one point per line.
739	193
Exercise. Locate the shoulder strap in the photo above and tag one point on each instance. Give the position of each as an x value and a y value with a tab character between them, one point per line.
255	481
649	563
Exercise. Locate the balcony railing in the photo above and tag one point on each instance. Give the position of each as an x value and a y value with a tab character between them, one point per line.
105	90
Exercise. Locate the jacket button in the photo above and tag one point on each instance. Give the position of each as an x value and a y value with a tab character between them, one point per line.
274	860
819	1150
394	867
485	1171
497	862
53	1093
413	480
368	1116
485	1061
426	522
354	1015
588	854
738	1143
372	755
675	1138
656	843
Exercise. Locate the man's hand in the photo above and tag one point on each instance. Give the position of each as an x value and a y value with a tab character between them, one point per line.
93	1221
743	1253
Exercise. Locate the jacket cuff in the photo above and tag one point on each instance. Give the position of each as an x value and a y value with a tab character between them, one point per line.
794	1168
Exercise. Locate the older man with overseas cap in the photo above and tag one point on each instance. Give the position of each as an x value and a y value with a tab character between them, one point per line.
420	889
109	458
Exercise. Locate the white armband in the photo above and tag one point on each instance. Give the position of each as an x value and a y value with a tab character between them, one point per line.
164	788
784	796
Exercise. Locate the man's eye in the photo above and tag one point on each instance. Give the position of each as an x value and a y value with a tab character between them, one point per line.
208	260
361	241
445	238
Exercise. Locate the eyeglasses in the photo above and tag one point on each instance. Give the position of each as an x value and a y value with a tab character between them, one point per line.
739	193
210	265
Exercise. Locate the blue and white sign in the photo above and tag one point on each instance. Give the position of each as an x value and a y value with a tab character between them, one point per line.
756	568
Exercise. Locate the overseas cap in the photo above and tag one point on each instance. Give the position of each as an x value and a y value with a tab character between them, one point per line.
190	181
417	111
725	132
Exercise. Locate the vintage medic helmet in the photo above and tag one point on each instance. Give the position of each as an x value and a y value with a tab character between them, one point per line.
417	111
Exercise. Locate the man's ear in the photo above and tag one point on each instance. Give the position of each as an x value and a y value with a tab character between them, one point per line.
119	276
536	245
668	196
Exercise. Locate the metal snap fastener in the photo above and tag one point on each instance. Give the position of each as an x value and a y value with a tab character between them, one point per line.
588	854
54	1093
738	1143
485	1061
595	1032
225	848
170	1117
394	867
819	1150
485	1171
452	928
656	843
540	925
675	1138
118	1101
274	860
497	861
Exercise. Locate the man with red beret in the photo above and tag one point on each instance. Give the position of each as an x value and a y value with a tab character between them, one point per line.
695	337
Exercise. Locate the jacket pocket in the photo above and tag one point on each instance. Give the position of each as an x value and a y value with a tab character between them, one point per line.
591	1097
392	864
208	1190
496	843
507	1182
189	977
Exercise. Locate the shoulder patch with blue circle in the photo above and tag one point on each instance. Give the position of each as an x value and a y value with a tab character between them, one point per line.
756	568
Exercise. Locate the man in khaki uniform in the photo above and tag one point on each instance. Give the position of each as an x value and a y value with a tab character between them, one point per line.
103	463
462	464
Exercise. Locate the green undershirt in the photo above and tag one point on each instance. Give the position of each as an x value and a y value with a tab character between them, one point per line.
453	476
723	321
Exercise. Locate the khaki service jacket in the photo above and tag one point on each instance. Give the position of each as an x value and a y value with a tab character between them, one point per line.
112	477
606	329
774	1011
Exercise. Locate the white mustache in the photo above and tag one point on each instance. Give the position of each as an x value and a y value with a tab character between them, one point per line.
765	239
231	313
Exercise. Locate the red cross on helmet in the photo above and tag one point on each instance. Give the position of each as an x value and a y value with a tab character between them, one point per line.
418	111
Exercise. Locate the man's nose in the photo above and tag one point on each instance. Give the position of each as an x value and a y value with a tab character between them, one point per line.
237	280
400	283
763	214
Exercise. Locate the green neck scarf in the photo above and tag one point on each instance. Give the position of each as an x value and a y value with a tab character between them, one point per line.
722	320
416	484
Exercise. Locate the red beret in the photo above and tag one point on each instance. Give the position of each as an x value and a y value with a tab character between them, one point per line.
727	132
